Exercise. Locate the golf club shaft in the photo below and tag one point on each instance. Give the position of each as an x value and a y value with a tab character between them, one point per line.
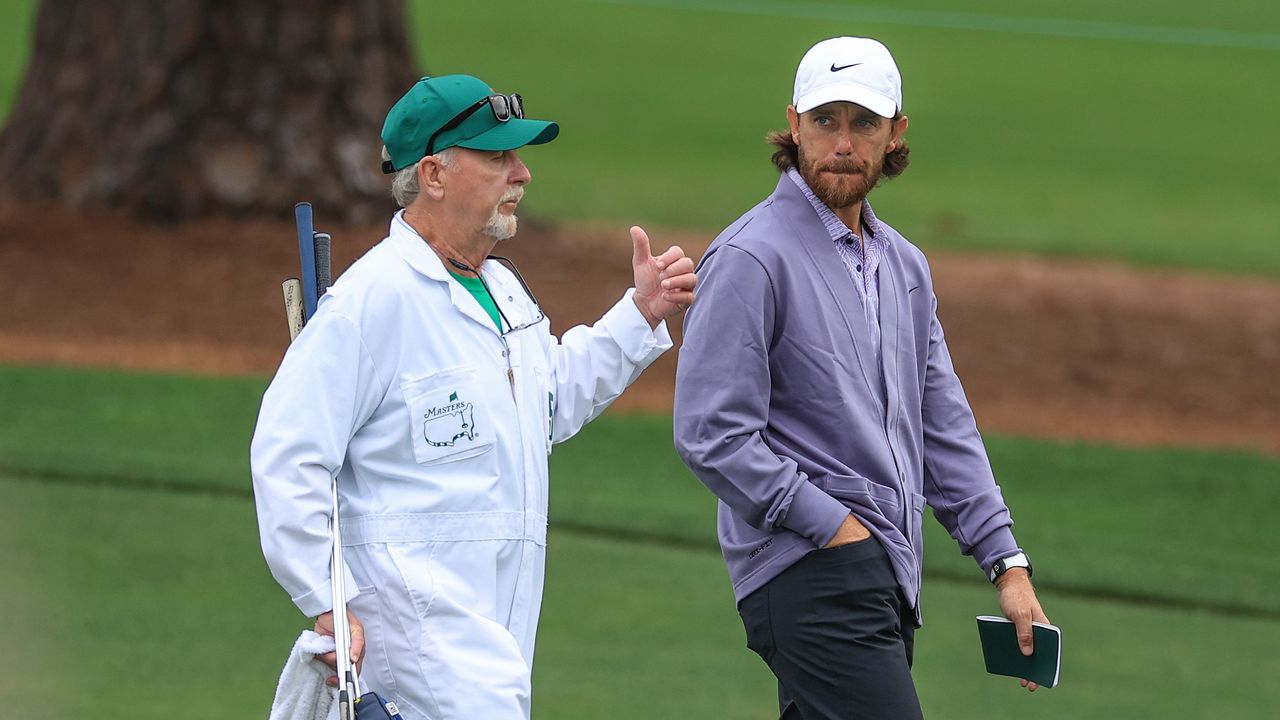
341	630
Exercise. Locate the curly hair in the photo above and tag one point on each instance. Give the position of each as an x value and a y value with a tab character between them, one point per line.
787	154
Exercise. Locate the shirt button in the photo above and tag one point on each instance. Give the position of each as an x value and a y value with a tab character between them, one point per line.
510	299
504	353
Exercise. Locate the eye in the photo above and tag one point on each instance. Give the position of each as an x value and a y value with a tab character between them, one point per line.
822	120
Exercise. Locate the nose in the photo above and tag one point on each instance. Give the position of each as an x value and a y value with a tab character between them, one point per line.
844	145
520	174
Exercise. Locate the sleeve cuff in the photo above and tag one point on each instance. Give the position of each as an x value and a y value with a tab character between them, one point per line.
319	600
815	514
997	545
629	329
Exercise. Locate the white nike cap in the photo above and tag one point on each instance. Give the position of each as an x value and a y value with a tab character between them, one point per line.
850	69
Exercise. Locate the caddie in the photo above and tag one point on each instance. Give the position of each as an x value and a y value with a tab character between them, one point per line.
429	383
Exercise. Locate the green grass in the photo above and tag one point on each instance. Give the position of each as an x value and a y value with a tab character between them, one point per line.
1169	522
1153	153
649	632
129	542
17	20
128	603
1119	661
1175	525
138	604
1179	526
157	428
1136	131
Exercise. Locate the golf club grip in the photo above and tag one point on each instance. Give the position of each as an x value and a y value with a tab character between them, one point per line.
307	256
293	306
323	244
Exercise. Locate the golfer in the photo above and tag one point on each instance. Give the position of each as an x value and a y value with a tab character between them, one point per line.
428	382
815	396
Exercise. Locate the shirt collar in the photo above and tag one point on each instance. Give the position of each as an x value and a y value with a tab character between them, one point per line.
414	249
835	226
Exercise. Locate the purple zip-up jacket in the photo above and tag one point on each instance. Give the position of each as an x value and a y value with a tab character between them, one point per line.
782	413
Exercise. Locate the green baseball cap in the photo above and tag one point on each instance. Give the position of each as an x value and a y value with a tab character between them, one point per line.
435	103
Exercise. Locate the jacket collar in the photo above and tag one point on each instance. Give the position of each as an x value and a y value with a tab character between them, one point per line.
414	249
832	222
418	255
816	247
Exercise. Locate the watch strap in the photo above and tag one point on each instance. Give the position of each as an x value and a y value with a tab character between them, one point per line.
1004	564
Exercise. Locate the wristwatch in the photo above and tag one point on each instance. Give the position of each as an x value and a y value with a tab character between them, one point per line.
1003	565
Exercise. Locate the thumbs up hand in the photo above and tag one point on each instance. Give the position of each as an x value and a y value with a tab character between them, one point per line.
664	284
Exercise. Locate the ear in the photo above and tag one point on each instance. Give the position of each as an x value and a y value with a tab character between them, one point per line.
431	177
793	120
899	128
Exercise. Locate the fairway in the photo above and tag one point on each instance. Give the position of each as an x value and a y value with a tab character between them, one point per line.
171	586
1072	503
141	563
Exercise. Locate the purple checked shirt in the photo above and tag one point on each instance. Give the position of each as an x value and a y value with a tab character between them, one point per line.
861	259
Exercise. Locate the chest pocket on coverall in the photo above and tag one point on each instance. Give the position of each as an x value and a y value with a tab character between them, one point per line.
448	419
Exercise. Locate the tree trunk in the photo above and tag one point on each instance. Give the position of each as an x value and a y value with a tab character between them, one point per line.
183	108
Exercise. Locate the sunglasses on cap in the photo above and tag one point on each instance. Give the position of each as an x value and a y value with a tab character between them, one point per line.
504	108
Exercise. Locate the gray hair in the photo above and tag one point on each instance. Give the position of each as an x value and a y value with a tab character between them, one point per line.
404	185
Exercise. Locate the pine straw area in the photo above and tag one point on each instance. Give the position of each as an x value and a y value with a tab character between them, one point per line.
1077	350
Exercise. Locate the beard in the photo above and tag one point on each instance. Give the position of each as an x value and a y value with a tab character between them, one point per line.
499	226
850	186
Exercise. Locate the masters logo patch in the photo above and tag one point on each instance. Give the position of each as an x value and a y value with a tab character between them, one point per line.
447	425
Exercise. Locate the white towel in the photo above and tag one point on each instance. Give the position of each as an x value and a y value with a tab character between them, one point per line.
301	693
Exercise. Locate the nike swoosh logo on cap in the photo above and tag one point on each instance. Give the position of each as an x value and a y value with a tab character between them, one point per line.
842	67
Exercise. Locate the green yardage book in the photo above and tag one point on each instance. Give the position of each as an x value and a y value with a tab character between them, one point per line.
1003	656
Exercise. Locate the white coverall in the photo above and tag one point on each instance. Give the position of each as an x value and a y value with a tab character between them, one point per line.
438	430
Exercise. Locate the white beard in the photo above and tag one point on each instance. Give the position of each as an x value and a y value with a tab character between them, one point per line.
503	227
500	227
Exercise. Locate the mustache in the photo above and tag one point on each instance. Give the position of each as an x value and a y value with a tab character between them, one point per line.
846	167
516	194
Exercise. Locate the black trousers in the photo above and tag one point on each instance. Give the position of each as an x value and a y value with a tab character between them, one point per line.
837	633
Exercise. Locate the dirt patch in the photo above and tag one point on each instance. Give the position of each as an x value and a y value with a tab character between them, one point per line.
1071	350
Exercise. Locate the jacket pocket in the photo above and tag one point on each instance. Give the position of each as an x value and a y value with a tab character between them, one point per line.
377	665
448	419
864	493
917	528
